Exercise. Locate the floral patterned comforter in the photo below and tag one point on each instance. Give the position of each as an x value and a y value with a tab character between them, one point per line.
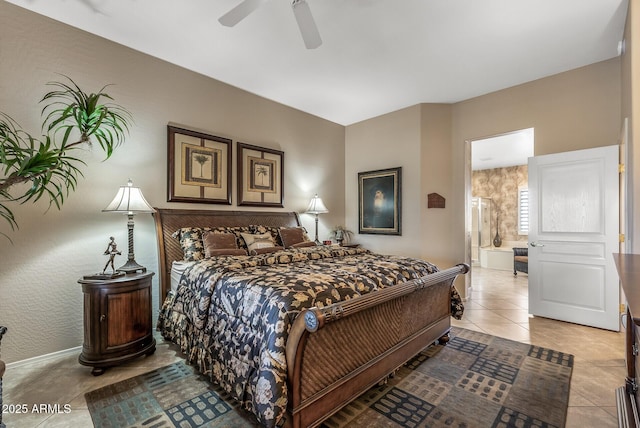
231	315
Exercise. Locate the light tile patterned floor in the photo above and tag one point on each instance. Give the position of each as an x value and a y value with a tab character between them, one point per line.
498	306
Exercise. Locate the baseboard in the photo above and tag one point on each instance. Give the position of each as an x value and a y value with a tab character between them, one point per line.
45	357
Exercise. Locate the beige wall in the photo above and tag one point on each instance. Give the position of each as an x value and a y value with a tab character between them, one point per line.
40	299
578	109
435	166
574	110
417	139
388	141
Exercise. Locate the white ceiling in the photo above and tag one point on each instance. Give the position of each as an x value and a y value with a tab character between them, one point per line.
514	148
377	56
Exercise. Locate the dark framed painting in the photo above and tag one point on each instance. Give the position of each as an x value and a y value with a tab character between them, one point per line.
380	201
199	167
260	173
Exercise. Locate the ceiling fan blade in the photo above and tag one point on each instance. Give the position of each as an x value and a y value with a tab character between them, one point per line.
307	24
240	12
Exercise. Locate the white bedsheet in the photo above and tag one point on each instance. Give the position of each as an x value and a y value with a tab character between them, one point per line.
177	268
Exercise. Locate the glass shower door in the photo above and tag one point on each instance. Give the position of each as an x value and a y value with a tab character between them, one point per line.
480	226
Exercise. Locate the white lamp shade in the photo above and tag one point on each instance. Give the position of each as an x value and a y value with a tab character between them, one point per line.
129	200
316	206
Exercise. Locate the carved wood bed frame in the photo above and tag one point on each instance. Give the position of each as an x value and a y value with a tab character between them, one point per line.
336	353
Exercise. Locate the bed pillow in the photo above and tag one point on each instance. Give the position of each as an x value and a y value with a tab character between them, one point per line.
215	241
257	241
304	244
291	236
265	250
259	229
190	239
226	252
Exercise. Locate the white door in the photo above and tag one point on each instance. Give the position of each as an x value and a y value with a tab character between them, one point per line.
573	232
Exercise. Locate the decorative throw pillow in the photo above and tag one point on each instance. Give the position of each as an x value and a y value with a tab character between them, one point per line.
259	229
216	240
238	231
219	241
304	244
292	235
256	241
226	252
190	239
265	250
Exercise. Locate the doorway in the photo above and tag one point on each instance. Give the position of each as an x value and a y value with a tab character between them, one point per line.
498	179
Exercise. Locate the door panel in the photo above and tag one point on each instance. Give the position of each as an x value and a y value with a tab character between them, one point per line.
571	197
573	232
583	291
580	249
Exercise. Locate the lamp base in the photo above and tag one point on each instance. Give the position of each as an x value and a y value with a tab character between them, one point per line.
132	267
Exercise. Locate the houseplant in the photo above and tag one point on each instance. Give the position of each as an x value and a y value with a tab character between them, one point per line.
32	167
340	234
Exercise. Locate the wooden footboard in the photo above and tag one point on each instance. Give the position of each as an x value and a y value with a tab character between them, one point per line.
338	352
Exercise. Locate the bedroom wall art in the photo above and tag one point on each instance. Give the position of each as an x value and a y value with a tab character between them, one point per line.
199	167
380	201
435	200
260	172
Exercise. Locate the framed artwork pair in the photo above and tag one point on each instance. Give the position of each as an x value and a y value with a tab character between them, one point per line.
200	170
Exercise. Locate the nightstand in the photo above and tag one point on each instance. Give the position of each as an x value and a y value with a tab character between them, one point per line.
117	320
351	245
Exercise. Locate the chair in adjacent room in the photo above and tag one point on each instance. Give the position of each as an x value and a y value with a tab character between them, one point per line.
520	260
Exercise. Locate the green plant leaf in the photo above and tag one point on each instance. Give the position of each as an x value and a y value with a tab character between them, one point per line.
46	163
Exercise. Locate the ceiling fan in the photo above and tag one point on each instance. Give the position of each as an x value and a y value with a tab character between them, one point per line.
301	11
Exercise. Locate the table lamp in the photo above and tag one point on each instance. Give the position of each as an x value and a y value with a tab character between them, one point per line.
316	206
129	200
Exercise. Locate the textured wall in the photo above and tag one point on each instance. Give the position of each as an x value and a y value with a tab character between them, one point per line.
40	299
388	141
501	186
577	109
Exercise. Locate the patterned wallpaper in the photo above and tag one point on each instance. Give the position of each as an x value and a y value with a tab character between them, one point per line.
501	185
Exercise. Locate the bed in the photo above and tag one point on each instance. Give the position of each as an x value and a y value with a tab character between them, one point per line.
295	334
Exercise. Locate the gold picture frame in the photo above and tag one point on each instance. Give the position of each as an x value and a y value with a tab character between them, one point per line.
199	167
260	176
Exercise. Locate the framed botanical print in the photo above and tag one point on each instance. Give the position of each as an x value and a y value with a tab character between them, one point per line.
199	167
380	201
260	173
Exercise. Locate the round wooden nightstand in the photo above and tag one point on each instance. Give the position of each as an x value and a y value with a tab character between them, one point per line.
117	320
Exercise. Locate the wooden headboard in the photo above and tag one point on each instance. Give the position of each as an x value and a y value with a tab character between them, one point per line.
169	220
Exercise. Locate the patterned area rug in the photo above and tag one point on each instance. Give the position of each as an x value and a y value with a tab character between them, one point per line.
476	380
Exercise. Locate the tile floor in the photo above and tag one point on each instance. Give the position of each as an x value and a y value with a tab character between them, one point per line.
498	306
